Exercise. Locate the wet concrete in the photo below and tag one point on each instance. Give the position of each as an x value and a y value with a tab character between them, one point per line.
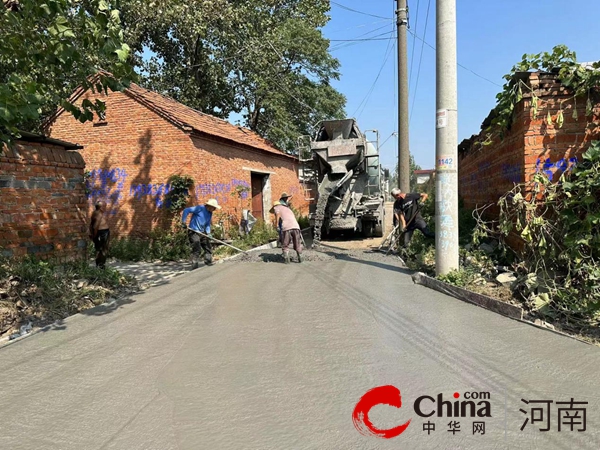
322	252
150	274
275	356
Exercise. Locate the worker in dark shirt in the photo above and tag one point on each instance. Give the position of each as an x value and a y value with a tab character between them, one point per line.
406	213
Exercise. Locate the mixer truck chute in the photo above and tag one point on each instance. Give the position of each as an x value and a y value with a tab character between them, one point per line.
349	178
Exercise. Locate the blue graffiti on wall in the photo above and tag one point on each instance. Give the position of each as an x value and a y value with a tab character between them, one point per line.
220	191
106	185
156	192
550	168
512	172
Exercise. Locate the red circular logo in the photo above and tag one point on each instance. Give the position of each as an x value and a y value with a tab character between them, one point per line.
382	395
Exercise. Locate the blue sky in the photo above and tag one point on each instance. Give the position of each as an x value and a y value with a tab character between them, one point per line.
492	36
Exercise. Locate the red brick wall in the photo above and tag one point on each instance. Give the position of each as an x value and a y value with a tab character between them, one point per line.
42	201
132	156
220	168
486	172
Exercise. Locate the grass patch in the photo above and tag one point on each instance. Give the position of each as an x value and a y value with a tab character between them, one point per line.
261	234
159	245
42	291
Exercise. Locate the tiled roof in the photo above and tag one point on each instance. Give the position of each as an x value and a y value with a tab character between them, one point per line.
191	120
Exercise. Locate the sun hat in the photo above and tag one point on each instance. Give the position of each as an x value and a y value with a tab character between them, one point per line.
285	195
212	202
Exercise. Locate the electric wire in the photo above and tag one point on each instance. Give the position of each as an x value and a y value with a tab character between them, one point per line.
412	57
412	108
365	100
358	12
458	64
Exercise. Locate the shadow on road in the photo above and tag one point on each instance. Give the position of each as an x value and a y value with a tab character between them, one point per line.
111	306
344	257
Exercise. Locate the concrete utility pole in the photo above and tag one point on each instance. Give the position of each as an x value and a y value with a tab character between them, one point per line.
403	143
446	143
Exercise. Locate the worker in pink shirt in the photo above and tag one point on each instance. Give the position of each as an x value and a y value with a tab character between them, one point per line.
290	230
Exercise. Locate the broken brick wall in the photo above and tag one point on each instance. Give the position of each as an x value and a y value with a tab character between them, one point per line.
42	201
491	163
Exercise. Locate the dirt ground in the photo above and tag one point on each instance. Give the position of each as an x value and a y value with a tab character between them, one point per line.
344	243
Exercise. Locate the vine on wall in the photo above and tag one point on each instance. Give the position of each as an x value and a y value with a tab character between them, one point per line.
579	80
179	194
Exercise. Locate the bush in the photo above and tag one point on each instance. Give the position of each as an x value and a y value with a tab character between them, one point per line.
302	219
160	244
42	291
262	233
460	278
559	228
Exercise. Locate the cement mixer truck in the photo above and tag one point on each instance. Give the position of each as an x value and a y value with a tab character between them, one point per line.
349	181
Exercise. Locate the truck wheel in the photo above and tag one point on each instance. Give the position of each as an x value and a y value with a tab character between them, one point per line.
368	229
378	230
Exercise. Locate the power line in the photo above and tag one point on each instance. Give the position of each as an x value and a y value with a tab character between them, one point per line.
281	78
365	39
412	57
412	108
358	12
351	42
362	36
458	64
388	138
366	99
361	26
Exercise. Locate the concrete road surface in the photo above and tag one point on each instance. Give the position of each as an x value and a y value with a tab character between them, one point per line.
269	356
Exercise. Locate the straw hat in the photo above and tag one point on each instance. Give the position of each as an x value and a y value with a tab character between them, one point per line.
276	203
212	202
285	195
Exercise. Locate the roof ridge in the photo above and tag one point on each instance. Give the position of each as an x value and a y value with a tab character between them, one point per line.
189	119
245	130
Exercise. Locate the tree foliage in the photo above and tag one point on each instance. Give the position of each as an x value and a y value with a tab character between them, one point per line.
264	60
559	224
413	177
47	48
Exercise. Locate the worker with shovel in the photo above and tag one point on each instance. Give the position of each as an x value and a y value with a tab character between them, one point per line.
407	215
290	230
199	230
283	200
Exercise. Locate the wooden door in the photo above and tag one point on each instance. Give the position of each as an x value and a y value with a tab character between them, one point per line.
257	196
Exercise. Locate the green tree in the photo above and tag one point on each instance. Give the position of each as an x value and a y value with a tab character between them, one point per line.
266	60
188	61
47	48
413	178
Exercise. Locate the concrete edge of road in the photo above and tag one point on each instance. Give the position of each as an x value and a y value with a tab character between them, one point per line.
499	307
7	340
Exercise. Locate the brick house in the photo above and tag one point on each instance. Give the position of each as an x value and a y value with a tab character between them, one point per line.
491	163
145	138
42	199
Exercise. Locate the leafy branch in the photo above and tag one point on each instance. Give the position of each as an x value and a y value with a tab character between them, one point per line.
579	80
179	192
558	225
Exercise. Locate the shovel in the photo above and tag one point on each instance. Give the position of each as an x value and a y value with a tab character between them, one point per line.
216	240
